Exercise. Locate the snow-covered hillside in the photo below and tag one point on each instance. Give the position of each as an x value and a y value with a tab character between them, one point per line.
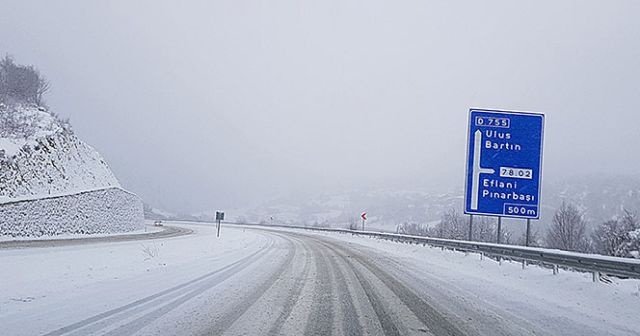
41	156
53	183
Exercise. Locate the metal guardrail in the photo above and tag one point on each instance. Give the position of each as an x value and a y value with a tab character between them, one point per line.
597	264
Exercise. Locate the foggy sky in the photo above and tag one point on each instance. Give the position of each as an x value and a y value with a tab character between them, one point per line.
198	105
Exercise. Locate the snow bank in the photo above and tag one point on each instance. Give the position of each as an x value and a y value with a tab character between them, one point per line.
109	210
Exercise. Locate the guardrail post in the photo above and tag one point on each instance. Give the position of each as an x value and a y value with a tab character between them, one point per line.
596	276
481	255
524	264
555	269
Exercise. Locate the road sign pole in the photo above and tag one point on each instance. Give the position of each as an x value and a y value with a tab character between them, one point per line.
499	230
363	225
470	227
528	232
219	219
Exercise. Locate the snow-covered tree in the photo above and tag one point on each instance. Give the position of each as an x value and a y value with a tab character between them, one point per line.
608	237
568	230
619	237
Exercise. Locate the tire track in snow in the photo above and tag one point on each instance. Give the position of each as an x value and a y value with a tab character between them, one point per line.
376	301
100	321
350	323
294	295
320	319
428	315
239	309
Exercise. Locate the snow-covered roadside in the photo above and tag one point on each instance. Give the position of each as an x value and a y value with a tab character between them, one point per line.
110	210
37	282
148	228
533	294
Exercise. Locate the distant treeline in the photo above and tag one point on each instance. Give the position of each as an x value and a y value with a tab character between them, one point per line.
23	83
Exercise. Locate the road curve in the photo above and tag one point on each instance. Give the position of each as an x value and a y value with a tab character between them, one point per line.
295	285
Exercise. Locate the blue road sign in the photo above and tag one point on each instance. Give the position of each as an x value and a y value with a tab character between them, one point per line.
504	158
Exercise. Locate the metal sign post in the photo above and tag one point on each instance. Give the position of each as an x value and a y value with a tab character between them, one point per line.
504	161
364	218
499	239
219	219
528	235
470	227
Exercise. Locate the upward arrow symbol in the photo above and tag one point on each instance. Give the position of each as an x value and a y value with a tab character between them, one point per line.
477	170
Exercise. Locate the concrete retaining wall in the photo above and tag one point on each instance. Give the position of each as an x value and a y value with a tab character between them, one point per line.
110	210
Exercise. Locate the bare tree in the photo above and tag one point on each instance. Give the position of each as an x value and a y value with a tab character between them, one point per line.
414	229
354	224
20	82
452	226
485	229
568	230
43	87
535	239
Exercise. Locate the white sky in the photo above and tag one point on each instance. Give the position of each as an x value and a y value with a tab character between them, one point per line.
200	105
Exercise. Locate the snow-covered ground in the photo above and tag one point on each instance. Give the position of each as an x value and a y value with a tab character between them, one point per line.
35	123
251	281
38	285
148	228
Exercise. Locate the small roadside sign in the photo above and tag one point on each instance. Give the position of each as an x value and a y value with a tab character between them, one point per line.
219	218
219	215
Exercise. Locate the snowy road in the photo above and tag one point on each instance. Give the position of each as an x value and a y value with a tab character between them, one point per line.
256	282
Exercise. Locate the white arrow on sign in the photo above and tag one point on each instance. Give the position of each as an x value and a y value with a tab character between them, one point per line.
477	170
